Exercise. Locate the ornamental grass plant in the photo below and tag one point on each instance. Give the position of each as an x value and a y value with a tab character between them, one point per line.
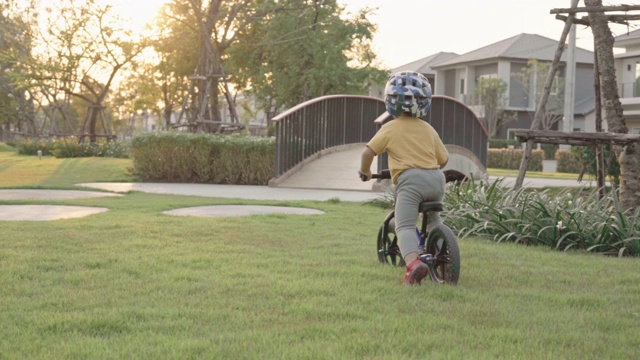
571	219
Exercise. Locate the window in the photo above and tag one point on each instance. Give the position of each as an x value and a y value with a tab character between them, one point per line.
462	87
635	130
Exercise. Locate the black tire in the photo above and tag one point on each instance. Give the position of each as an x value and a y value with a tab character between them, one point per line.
442	244
388	250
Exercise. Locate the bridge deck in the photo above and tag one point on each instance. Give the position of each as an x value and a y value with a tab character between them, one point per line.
336	170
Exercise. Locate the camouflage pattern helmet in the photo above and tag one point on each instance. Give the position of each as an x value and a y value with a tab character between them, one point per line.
408	92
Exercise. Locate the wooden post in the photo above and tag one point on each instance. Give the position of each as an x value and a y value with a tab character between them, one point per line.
600	171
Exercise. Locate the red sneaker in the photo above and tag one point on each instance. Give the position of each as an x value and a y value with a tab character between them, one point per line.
416	271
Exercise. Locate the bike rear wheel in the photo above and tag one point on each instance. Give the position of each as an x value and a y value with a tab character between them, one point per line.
388	249
443	245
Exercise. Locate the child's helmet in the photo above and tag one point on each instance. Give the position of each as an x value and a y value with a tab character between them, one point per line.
408	92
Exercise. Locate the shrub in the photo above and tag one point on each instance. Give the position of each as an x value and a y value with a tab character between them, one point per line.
549	151
587	156
568	162
511	159
31	146
70	147
203	158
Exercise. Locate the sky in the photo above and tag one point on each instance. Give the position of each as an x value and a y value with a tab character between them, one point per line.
409	30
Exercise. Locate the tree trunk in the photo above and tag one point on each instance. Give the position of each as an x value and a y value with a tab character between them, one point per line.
629	156
630	177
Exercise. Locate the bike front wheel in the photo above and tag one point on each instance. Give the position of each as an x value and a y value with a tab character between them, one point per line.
443	245
388	250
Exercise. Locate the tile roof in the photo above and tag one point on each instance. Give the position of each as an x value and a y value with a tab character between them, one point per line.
424	65
624	39
522	46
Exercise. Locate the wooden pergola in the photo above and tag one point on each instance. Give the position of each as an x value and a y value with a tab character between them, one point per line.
596	139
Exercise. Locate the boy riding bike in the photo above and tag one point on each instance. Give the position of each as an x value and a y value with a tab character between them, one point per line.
416	155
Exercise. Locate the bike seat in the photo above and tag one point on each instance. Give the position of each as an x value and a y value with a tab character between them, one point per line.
431	206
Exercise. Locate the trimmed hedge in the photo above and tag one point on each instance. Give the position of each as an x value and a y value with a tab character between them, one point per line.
511	158
203	158
503	143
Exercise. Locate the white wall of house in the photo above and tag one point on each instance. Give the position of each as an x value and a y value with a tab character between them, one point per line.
627	64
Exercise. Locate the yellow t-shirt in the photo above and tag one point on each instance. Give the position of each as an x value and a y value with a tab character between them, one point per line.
411	143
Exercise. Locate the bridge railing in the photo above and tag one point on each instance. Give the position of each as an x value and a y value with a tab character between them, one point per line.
323	123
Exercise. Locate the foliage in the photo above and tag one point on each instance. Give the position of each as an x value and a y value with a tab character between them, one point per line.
511	159
491	93
203	158
570	220
304	50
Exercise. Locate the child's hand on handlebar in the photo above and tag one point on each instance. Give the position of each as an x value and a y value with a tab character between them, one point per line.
364	176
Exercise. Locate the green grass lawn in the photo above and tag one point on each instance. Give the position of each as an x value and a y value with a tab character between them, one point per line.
135	283
30	171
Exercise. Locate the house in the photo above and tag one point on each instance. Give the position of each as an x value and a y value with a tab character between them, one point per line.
627	65
458	75
422	66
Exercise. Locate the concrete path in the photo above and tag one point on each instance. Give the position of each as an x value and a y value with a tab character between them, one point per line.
37	194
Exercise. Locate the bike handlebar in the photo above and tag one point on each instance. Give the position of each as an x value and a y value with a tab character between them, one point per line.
384	174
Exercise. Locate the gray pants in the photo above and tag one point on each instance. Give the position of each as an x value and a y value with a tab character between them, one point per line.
415	186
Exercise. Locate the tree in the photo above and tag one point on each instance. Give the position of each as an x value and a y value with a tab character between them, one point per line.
162	82
209	28
629	155
16	107
304	49
532	79
491	93
83	48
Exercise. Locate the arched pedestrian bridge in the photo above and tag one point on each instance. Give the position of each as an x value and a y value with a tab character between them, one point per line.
318	142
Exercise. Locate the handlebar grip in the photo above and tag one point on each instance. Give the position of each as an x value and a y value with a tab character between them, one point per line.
384	174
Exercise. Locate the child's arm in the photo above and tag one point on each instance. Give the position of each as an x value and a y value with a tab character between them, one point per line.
365	162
